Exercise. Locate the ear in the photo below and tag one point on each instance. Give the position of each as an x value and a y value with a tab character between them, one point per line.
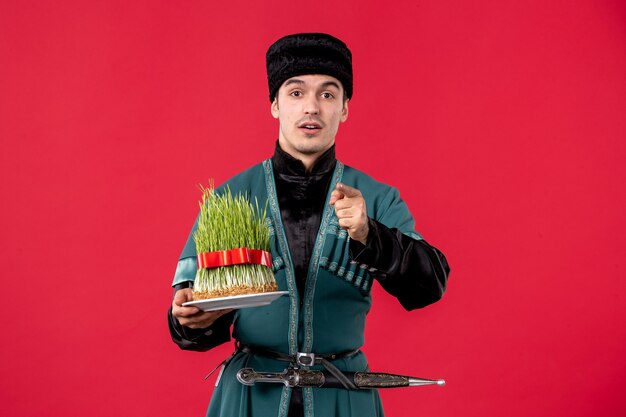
344	111
274	108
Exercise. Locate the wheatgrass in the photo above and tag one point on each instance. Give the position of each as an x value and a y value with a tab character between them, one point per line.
228	221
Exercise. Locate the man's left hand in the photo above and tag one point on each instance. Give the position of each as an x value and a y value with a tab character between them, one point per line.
351	211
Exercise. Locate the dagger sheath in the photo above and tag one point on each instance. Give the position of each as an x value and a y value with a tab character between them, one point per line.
323	379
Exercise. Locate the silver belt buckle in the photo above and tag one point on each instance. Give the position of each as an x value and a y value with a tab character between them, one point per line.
305	359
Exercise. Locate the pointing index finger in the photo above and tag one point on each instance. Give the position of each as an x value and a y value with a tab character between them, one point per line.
347	190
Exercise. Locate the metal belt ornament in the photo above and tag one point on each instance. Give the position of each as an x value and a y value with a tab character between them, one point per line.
239	256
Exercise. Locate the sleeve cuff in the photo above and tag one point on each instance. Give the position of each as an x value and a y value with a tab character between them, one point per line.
366	254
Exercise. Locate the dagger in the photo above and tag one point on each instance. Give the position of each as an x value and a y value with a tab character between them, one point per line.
322	379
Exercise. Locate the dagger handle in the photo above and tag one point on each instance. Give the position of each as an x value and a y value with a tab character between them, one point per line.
249	376
289	377
309	378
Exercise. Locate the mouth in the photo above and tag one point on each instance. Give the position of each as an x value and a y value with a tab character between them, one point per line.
310	127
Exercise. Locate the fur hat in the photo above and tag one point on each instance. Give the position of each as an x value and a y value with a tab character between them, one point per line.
308	53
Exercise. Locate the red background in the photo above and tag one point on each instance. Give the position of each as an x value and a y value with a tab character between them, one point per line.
501	122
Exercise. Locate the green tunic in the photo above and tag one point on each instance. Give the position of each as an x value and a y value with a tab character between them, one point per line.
329	319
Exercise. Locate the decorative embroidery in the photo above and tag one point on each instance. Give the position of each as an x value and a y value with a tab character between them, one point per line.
284	402
286	255
285	260
270	226
335	258
307	393
278	264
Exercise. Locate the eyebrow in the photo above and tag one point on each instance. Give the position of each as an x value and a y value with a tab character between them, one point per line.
293	81
331	84
324	85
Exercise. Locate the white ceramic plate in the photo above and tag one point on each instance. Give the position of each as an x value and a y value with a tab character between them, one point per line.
236	301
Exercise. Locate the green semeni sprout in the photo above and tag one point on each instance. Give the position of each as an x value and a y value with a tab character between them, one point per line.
228	222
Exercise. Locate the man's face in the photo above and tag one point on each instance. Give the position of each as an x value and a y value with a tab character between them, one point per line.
309	108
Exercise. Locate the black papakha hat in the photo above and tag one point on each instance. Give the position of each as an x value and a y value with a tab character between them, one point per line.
308	53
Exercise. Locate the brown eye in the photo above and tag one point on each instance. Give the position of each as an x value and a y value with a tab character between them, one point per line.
296	93
327	95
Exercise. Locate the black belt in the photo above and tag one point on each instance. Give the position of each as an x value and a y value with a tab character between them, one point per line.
305	359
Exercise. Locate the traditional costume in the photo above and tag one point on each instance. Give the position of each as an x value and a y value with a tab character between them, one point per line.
329	277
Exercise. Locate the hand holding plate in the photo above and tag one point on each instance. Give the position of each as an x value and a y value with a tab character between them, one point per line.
193	317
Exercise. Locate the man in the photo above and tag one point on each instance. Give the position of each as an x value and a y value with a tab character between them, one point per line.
333	230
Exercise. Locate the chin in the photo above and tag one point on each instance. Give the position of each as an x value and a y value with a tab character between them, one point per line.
311	149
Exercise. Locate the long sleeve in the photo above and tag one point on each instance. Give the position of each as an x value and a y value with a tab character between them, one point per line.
200	340
409	269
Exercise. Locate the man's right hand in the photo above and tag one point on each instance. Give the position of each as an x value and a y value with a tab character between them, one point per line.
193	317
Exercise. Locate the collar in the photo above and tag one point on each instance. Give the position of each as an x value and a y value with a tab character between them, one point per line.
287	164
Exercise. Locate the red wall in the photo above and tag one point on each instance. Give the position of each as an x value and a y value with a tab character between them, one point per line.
502	123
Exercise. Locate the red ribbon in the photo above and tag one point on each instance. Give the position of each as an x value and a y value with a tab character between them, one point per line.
230	257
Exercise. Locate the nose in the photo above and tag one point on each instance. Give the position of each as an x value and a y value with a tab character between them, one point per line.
311	105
